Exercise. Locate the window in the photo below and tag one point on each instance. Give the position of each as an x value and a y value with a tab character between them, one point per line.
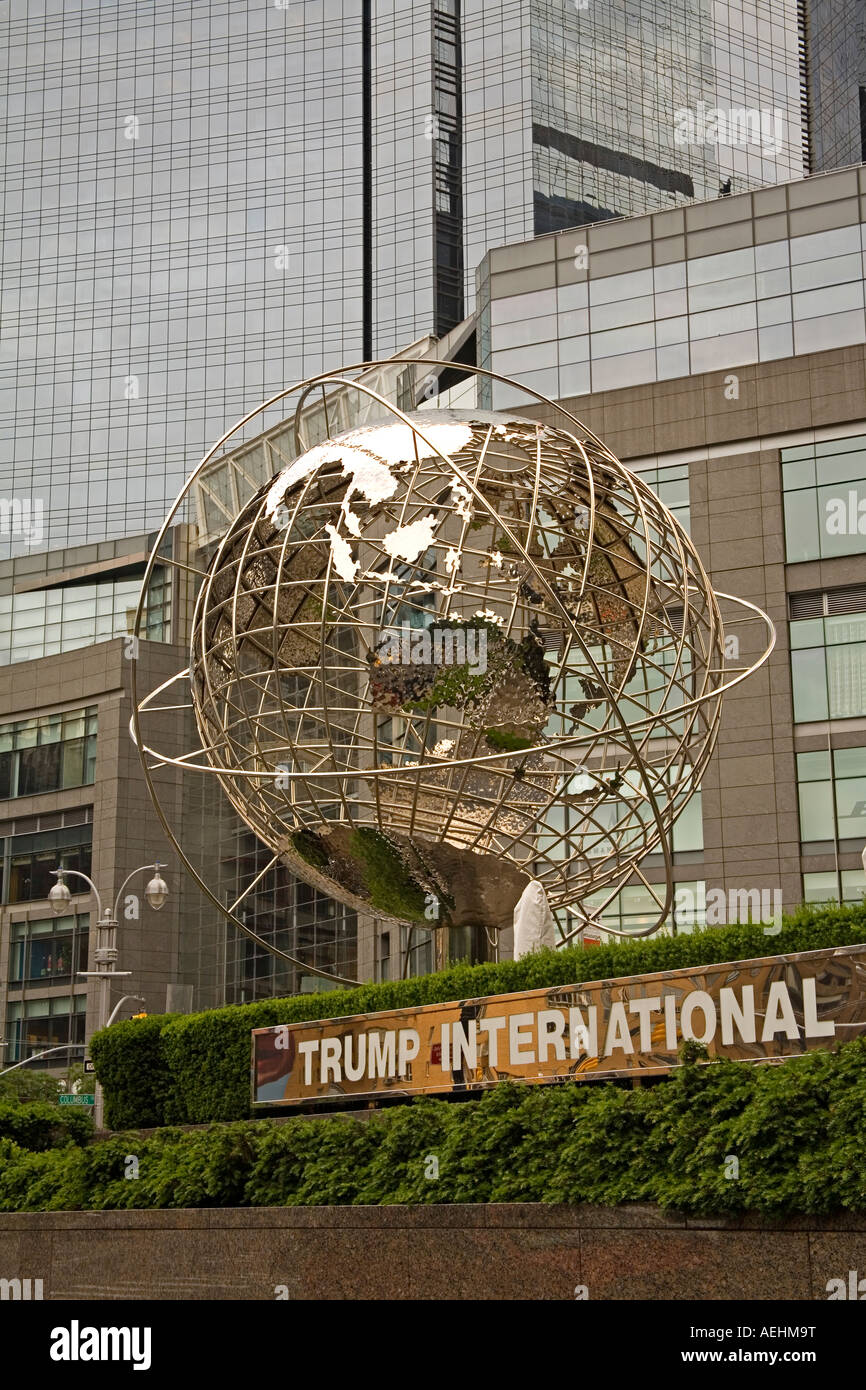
385	956
447	169
635	908
419	943
61	619
688	831
33	1025
824	493
567	829
671	485
399	741
47	754
48	951
32	857
828	665
847	886
288	913
832	792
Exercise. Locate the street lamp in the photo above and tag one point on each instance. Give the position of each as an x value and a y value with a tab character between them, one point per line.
156	891
34	1057
59	897
105	954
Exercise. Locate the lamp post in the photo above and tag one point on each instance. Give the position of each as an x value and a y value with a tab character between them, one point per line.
34	1056
105	954
139	999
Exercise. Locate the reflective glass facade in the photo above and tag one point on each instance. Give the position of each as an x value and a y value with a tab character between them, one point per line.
670	483
288	914
35	1024
834	886
28	860
182	234
836	32
206	203
497	121
639	68
635	908
47	621
48	951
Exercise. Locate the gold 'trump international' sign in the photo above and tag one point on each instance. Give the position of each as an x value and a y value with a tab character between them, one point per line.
753	1010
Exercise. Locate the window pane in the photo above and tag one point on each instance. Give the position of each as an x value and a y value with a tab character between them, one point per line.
802	541
842	519
810	685
807	632
816	811
846	679
73	763
51	753
813	767
820	888
39	769
851	808
824	488
850	762
853	886
689	827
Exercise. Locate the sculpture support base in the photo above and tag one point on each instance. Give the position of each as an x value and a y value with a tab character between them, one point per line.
463	943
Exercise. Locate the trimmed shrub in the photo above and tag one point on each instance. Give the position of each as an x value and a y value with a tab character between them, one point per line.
135	1077
194	1069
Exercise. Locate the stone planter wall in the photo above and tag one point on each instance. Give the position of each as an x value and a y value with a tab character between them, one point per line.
435	1252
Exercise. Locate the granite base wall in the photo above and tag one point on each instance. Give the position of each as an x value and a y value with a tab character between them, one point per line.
521	1251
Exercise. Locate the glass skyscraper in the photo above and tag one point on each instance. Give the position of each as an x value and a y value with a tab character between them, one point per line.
207	201
836	32
612	86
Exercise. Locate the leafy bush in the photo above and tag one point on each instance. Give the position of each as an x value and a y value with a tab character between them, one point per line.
797	1131
21	1085
194	1068
38	1125
37	1181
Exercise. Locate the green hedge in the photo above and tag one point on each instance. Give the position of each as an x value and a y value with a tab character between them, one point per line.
797	1133
131	1065
194	1068
39	1125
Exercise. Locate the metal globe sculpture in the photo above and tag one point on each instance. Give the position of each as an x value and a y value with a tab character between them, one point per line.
449	652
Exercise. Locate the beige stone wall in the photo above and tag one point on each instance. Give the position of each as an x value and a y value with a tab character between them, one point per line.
126	830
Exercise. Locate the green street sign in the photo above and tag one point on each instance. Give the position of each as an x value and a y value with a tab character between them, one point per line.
77	1100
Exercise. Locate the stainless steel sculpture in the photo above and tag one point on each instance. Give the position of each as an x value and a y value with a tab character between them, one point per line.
450	651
